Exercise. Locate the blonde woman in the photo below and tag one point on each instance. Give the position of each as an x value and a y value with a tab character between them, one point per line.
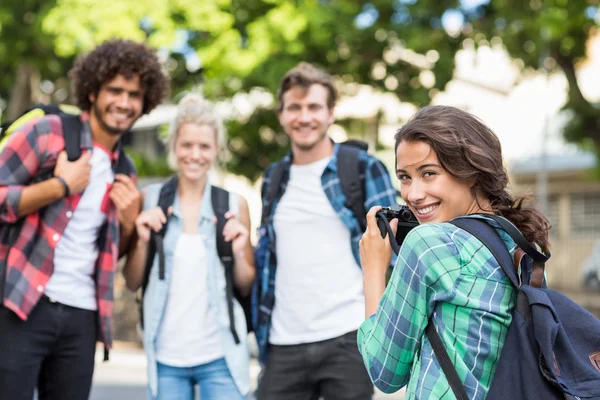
187	335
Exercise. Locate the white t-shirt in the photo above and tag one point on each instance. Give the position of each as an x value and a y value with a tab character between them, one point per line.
318	285
189	333
76	253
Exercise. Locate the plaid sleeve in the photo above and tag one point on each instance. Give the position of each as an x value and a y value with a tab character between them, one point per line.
21	159
378	186
426	272
378	189
266	181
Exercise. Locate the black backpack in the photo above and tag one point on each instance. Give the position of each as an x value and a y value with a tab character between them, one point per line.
552	347
351	179
72	126
220	204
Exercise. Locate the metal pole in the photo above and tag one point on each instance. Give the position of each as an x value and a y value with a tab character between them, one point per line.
542	175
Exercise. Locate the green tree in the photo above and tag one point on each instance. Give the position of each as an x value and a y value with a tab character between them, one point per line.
234	46
364	42
29	71
404	47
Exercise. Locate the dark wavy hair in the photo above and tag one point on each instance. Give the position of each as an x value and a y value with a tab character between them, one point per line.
119	57
469	150
304	75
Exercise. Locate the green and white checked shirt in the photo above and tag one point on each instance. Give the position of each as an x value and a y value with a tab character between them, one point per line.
444	272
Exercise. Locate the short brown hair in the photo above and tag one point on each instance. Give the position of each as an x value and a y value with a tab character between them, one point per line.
305	75
119	57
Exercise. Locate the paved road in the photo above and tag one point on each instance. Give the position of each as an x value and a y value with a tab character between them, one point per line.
124	377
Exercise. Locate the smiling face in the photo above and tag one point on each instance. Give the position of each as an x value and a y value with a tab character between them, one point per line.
117	105
306	117
195	151
432	194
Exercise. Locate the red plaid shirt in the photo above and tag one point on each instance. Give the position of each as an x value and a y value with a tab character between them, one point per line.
30	262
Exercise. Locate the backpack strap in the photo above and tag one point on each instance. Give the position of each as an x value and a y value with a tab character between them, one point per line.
492	240
220	203
537	277
352	186
272	191
444	359
166	198
71	126
124	164
519	239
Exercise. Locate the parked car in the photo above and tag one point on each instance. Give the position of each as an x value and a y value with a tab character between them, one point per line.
591	269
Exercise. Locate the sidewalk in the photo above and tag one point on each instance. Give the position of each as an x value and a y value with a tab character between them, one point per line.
124	376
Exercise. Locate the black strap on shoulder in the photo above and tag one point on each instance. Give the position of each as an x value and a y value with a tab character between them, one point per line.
72	126
519	239
444	359
220	204
166	198
124	164
492	240
352	186
272	190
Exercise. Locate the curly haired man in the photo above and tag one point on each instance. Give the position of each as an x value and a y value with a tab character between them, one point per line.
57	280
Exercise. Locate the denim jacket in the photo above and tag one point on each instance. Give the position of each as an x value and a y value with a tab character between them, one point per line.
155	298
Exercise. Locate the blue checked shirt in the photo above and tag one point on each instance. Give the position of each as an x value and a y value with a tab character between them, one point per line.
444	272
378	192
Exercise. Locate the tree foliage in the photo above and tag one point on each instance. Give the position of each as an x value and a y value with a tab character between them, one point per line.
227	47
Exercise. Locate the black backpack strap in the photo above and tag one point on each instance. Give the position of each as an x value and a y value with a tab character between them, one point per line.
444	359
272	190
520	240
166	198
124	164
220	204
352	186
492	240
72	126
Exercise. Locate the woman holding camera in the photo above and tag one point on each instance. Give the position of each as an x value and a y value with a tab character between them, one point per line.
187	336
449	165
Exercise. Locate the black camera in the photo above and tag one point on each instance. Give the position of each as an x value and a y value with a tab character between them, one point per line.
406	222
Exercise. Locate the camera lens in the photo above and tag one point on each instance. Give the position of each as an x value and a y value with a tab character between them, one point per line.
405	215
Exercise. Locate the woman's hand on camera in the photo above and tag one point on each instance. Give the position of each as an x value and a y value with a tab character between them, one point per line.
375	251
375	257
234	231
148	221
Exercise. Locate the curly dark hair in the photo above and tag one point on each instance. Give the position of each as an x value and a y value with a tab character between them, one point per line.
119	57
468	149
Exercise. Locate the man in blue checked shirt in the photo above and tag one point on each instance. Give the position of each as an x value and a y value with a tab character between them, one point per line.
309	298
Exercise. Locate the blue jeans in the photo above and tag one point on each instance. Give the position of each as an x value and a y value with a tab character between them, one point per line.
214	379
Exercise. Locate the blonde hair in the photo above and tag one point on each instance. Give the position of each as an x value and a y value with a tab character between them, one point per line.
194	109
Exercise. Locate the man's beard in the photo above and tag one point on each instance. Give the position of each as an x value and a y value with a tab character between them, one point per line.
110	129
310	146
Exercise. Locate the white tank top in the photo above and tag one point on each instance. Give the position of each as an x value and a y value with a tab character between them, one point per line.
189	334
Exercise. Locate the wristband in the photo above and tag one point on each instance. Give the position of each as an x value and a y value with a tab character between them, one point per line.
65	186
